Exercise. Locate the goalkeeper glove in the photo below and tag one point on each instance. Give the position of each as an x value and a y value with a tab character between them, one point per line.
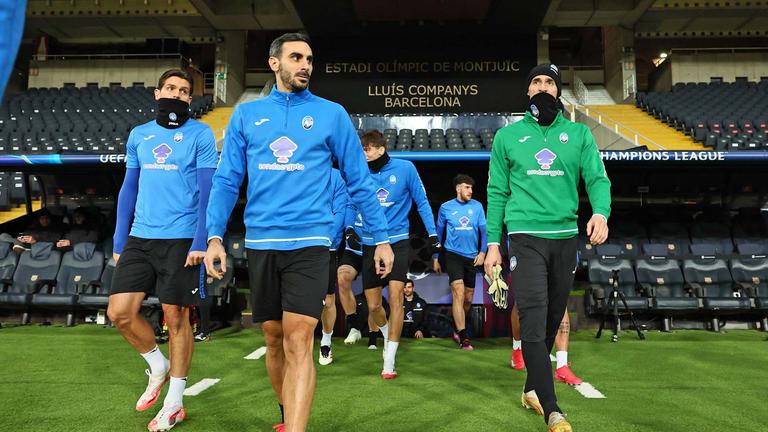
497	288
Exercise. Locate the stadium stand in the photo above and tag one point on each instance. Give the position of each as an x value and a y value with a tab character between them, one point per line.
78	120
722	116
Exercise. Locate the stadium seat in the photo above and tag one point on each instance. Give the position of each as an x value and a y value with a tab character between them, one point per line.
707	276
36	268
660	276
96	294
83	264
234	244
630	237
220	288
601	269
78	267
713	233
673	235
749	270
8	260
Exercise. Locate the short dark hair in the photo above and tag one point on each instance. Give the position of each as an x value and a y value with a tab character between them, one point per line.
175	73
373	138
407	281
463	178
276	47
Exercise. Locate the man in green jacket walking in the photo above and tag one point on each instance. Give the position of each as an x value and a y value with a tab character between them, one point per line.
533	190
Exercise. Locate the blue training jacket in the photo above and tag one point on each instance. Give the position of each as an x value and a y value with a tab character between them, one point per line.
285	142
464	224
397	185
339	199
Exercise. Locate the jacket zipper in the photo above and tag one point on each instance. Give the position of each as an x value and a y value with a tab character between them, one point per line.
287	107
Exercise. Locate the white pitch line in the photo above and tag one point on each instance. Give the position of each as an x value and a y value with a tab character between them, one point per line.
200	386
259	353
588	391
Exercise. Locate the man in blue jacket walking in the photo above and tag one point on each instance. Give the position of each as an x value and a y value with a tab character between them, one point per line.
465	243
285	143
397	186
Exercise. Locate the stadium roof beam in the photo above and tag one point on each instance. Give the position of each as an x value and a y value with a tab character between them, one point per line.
249	15
115	20
703	19
593	13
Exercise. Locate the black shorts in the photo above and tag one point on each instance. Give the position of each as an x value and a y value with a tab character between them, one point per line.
333	265
353	260
399	269
156	266
460	268
287	281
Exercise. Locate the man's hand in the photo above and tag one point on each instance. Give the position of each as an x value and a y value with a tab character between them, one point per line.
116	257
215	253
383	258
418	334
63	243
491	259
24	238
479	259
436	266
194	258
597	229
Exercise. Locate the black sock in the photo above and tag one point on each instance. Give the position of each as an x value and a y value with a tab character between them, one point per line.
540	376
466	322
352	321
373	337
282	413
462	335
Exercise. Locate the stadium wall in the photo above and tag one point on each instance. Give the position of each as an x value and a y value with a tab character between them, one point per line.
54	73
703	66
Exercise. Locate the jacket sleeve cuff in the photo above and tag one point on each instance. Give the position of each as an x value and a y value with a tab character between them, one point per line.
380	237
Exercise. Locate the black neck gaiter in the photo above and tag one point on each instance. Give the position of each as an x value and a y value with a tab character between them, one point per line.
172	113
544	108
379	163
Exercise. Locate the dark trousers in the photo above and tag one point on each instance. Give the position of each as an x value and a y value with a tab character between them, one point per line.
542	278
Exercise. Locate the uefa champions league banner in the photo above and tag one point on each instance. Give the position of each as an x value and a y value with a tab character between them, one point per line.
609	157
448	74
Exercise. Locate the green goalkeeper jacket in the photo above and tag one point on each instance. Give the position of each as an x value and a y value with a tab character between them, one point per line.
534	177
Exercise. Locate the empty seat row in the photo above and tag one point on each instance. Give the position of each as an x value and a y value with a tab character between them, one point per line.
704	282
723	116
44	278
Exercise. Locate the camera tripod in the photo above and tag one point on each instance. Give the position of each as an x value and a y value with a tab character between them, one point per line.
611	308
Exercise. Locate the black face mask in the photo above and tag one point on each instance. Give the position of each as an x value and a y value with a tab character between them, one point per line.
544	108
379	163
172	113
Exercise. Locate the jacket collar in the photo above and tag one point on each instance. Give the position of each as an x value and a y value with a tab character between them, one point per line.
283	98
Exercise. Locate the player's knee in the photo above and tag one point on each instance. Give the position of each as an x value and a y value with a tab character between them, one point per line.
120	316
176	320
344	276
374	306
457	288
468	295
297	343
330	302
